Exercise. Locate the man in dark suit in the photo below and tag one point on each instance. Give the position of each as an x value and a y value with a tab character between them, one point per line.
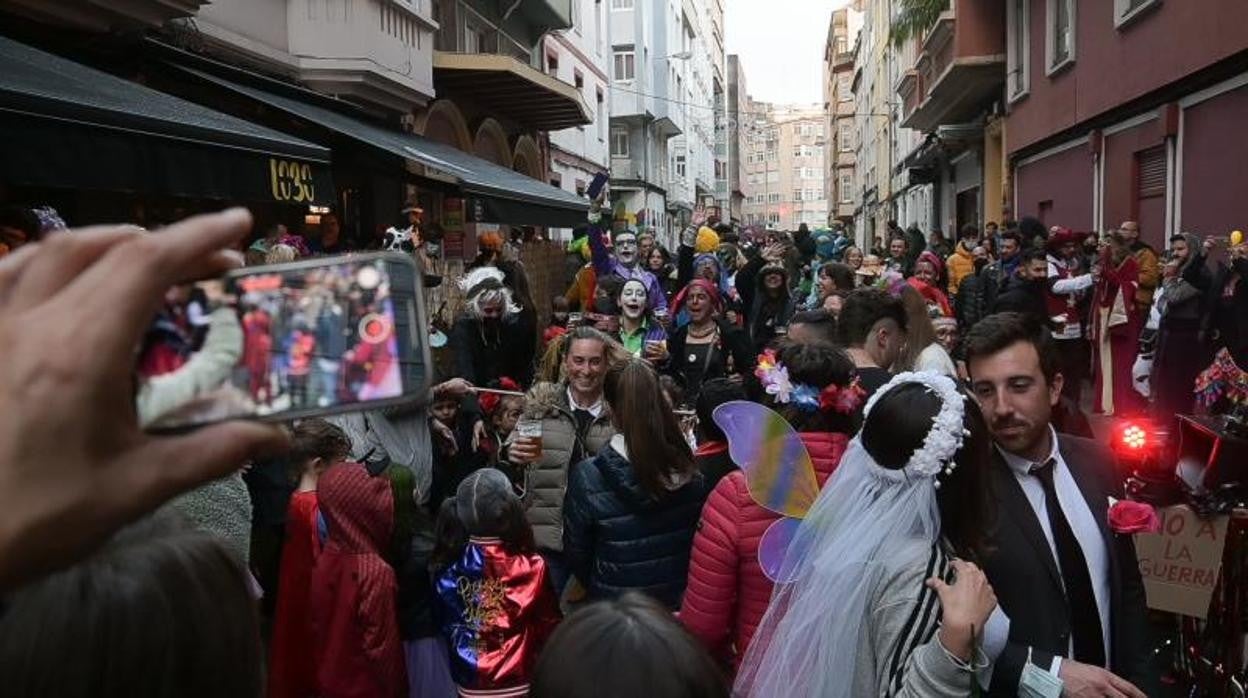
1070	586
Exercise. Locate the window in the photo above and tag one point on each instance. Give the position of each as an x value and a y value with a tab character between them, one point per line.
797	195
1060	37
847	188
601	115
845	135
556	180
621	4
806	129
773	198
578	79
576	16
580	187
624	63
476	38
1150	173
843	88
811	195
619	144
773	218
552	64
1018	48
1125	11
680	166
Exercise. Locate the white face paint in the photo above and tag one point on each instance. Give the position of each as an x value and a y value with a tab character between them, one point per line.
626	249
633	299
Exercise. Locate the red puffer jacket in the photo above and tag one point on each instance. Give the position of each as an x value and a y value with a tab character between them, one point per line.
727	593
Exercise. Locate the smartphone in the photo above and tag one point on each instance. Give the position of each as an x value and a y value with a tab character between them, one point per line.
596	184
303	339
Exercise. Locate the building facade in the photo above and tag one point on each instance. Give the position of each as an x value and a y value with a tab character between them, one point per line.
648	46
785	167
838	102
739	119
693	168
1154	98
581	56
874	124
950	86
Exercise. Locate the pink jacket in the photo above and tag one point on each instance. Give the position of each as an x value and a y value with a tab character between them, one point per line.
727	593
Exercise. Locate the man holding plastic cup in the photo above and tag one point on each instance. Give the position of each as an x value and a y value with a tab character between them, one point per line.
563	424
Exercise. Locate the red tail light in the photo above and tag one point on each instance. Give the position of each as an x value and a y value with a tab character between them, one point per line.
1133	437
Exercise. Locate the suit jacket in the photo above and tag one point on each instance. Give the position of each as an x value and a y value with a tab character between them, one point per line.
1025	576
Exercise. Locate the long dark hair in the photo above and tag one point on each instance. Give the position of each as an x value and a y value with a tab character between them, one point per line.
656	447
817	366
898	424
78	633
626	647
449	537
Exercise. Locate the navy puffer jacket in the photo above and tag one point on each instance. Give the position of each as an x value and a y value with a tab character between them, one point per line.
618	538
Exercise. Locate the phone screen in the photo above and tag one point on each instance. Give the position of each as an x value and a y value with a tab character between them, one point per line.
285	341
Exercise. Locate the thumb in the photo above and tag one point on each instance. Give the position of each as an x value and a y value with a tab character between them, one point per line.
938	585
164	466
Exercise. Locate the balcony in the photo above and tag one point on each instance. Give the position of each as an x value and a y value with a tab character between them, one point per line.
513	89
961	66
377	53
102	15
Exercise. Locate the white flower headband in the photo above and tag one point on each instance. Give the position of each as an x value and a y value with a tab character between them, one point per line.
945	437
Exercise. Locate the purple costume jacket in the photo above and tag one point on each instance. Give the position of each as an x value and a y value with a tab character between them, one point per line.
605	264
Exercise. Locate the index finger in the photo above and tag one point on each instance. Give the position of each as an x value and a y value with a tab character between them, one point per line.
1125	686
130	279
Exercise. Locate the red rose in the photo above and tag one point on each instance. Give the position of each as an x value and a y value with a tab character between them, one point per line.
1133	517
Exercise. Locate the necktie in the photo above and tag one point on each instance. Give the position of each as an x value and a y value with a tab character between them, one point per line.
1085	619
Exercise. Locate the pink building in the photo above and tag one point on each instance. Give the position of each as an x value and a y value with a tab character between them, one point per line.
1129	109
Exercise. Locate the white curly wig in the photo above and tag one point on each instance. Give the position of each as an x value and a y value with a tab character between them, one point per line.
485	285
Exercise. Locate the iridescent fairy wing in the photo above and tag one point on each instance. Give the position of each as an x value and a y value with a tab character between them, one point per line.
778	469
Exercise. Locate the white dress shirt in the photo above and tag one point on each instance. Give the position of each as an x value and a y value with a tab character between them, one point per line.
1081	521
594	409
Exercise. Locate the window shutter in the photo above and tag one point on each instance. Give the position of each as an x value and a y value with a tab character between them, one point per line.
1151	175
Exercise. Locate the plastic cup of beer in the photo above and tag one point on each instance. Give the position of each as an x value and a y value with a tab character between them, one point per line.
529	432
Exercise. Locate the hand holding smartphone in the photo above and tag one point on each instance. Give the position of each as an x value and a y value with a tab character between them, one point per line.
317	337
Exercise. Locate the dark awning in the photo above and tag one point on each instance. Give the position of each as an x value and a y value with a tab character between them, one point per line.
63	124
501	195
507	86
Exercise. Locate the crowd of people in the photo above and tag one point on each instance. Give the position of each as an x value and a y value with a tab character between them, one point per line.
765	464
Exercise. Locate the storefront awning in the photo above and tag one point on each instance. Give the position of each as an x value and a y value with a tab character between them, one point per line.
66	125
499	195
509	87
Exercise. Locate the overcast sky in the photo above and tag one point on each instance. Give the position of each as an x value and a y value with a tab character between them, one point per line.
781	46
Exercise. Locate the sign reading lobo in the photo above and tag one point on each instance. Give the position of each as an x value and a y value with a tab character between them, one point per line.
1180	565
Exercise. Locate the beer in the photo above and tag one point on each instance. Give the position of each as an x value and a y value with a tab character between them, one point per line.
529	432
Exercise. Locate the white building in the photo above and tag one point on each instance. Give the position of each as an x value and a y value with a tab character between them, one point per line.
581	56
648	45
697	68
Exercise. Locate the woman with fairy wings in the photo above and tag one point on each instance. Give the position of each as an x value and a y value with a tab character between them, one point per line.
878	593
728	590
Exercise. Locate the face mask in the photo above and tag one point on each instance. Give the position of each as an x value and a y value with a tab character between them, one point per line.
1035	682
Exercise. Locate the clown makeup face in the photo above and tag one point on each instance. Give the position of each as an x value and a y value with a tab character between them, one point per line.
925	272
947	335
698	303
626	248
633	299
